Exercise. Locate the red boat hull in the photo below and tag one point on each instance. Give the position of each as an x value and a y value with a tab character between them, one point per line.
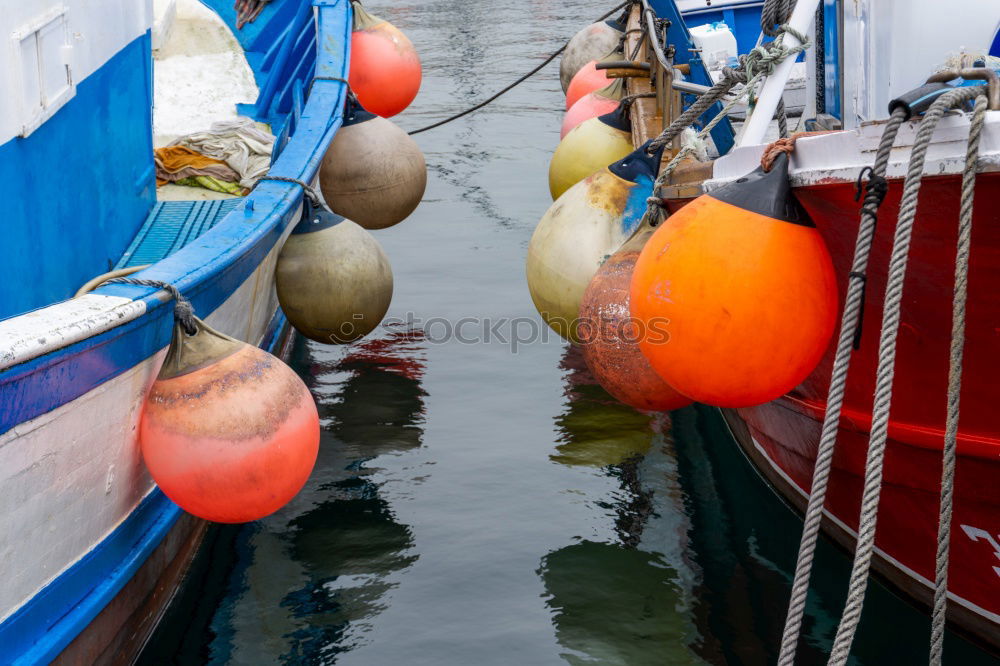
781	437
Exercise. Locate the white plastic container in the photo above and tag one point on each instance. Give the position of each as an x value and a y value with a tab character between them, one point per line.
717	43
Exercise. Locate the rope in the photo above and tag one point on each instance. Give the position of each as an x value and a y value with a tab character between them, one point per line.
775	12
512	85
783	145
311	193
868	519
850	322
183	310
955	382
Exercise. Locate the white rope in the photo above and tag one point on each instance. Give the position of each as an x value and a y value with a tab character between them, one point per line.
868	519
939	615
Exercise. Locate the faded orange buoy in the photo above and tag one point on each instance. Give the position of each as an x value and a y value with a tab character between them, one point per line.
373	173
590	43
610	337
385	68
592	105
745	287
587	80
228	432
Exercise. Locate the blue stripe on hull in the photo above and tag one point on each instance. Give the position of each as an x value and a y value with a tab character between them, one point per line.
54	617
79	186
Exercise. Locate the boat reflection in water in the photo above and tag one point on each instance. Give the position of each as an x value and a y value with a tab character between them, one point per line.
701	545
303	584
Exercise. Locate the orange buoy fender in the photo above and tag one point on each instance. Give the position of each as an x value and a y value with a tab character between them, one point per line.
589	79
590	43
580	230
591	146
592	105
609	336
333	280
373	173
744	285
385	68
228	431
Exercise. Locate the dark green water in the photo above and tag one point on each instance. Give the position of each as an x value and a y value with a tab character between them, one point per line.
479	504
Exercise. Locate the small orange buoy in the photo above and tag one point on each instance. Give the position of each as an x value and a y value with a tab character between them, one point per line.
586	81
228	432
609	336
744	285
385	68
592	105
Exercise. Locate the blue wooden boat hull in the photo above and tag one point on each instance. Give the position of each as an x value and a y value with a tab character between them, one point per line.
94	548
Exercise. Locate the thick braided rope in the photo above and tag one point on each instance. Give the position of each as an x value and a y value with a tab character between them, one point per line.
886	370
955	382
183	310
775	12
853	305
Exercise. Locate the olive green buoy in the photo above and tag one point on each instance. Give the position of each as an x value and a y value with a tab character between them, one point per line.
333	279
373	173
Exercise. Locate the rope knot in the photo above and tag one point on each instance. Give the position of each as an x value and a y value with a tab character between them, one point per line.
785	145
876	188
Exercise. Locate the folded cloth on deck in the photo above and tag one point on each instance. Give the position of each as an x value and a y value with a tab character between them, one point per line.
176	163
238	143
214	184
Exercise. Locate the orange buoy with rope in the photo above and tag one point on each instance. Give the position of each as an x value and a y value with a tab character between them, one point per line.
385	69
610	336
746	288
229	432
591	105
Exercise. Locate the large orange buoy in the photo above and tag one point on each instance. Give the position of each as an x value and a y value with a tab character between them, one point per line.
591	146
228	431
592	105
590	43
589	79
373	173
744	286
385	68
580	230
609	336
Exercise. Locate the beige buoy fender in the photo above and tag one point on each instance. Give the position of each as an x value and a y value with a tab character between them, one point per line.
373	173
589	147
580	230
333	279
591	43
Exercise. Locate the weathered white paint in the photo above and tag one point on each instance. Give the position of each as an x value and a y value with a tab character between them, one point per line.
164	15
97	30
839	156
199	76
45	330
69	477
892	46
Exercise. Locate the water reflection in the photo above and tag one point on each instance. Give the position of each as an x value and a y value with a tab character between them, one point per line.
625	602
304	584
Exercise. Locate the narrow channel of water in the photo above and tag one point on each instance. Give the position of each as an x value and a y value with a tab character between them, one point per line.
478	499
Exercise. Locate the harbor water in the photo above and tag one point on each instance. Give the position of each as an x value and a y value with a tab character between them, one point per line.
478	499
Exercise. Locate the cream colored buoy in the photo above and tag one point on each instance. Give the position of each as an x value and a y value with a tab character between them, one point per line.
373	173
591	43
580	230
589	147
333	279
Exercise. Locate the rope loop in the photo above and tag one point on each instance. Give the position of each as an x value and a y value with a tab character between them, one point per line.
183	310
784	145
310	192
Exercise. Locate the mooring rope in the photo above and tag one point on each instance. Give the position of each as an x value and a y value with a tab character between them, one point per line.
512	85
183	310
939	614
754	66
868	519
849	324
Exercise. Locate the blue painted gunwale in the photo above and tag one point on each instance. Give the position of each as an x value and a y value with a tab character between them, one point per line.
206	271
